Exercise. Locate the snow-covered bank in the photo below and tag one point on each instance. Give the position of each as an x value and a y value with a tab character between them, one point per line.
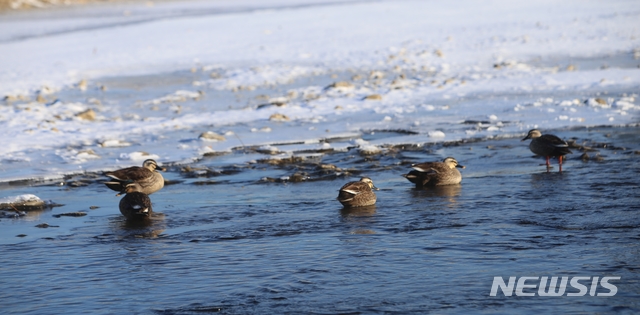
442	71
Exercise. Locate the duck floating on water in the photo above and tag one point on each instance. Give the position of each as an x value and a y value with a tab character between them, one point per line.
358	194
135	206
435	173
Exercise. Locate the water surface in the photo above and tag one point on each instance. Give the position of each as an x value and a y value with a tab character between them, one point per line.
241	239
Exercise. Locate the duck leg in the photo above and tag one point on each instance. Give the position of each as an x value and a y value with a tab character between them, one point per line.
560	163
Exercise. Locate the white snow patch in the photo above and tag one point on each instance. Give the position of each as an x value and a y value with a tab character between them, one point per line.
138	156
20	199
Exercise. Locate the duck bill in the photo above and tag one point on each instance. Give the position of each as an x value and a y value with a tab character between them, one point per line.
525	138
460	166
374	188
142	213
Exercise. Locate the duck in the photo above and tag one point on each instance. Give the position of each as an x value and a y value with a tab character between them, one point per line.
145	179
135	206
358	194
435	173
547	146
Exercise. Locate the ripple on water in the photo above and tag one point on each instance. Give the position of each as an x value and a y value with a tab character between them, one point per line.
248	246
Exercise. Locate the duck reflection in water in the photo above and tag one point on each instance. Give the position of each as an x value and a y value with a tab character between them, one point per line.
365	211
451	192
437	191
553	183
359	220
151	227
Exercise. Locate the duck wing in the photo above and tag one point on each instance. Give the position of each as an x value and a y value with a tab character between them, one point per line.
560	146
350	190
131	174
555	141
422	173
428	167
123	178
355	187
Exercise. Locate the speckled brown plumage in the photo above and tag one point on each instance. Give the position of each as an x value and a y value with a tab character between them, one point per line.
435	173
143	179
358	194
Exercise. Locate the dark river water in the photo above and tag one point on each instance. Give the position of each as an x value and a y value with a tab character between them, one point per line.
239	239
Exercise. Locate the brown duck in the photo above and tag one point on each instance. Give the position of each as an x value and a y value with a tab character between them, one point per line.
145	179
135	206
547	146
435	173
358	194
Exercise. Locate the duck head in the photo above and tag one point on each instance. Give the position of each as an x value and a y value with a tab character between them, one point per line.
533	133
369	182
452	163
152	165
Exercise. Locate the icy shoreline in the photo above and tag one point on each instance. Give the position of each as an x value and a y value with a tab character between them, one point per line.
167	83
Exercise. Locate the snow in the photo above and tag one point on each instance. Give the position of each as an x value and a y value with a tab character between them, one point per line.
434	68
19	199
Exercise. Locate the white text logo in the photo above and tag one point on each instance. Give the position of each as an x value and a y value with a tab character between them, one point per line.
526	286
